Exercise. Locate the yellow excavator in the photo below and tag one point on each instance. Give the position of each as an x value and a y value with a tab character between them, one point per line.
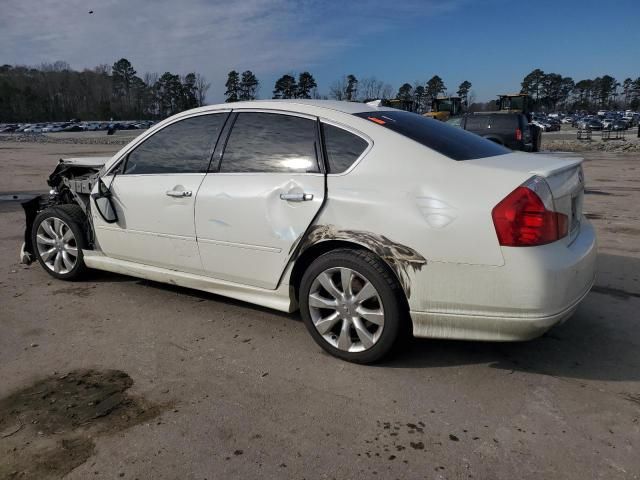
443	108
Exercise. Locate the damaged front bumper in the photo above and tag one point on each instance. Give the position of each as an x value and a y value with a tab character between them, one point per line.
31	208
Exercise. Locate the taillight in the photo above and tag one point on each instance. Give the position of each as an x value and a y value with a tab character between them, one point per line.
525	217
518	134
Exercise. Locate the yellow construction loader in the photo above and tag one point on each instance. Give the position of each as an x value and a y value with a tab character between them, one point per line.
443	108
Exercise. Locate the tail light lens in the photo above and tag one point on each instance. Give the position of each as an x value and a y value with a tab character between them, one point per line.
518	134
526	217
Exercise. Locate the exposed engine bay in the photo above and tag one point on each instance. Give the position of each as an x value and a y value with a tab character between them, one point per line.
71	182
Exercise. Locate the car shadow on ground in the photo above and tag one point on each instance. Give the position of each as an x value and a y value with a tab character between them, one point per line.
600	341
199	294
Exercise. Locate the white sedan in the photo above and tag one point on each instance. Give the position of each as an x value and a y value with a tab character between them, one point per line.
372	221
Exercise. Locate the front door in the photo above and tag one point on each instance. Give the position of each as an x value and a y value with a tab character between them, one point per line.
154	192
265	193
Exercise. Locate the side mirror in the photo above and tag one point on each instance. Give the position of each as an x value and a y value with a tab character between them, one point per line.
104	203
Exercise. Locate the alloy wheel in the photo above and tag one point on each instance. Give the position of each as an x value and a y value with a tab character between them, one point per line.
57	245
346	309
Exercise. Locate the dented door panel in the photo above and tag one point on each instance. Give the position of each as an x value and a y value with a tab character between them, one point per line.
246	231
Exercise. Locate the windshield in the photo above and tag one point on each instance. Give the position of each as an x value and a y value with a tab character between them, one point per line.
450	141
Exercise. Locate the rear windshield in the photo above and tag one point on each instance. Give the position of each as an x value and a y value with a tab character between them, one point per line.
452	142
505	121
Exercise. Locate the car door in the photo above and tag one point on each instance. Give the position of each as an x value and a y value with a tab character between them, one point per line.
154	190
260	198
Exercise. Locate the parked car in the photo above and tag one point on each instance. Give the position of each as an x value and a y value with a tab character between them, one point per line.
553	124
607	123
509	129
370	220
618	125
73	128
541	124
594	124
52	128
33	129
590	124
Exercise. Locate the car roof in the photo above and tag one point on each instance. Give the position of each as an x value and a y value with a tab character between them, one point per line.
298	104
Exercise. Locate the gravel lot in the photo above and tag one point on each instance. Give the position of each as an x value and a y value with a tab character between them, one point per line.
565	140
115	377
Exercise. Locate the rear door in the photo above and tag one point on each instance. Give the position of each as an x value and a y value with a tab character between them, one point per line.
260	199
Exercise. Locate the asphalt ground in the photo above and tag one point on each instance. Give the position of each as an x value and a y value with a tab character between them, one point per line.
115	377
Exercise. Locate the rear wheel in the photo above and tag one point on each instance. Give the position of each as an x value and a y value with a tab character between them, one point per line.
58	239
351	304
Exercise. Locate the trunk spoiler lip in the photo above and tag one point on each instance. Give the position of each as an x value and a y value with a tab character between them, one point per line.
555	170
544	165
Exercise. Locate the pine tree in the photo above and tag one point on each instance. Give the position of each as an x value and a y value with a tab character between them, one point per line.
248	86
351	92
285	87
463	92
306	84
233	87
435	86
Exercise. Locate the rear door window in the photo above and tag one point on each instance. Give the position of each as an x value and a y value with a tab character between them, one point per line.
452	142
504	122
271	143
343	148
477	122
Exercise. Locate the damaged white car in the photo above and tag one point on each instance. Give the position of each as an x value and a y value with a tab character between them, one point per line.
372	221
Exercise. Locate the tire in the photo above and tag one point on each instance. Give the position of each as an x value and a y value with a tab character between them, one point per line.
338	326
58	237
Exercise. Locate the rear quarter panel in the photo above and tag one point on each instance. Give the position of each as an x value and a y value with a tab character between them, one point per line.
417	198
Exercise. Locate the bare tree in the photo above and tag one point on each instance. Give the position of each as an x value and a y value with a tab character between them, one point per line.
202	87
338	88
370	88
387	92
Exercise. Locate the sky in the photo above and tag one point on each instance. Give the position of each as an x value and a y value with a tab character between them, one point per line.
491	43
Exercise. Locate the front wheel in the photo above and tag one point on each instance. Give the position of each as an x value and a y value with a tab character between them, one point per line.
58	239
351	304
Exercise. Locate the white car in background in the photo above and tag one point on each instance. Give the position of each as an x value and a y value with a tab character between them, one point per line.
33	129
369	220
52	129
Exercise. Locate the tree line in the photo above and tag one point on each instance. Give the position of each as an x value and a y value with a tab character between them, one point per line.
552	91
415	97
55	92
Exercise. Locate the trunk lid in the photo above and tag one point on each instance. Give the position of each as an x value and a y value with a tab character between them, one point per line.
563	174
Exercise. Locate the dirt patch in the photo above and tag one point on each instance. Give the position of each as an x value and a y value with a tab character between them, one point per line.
624	229
81	292
46	429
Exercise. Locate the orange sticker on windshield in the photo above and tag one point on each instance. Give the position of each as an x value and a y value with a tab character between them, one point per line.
377	120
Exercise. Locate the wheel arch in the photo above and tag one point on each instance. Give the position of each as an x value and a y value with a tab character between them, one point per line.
308	255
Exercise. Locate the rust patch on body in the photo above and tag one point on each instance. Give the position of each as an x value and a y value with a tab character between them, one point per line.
400	258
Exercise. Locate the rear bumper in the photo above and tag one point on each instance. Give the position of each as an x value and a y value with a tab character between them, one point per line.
488	328
536	289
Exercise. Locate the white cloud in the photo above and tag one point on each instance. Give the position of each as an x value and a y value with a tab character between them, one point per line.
211	37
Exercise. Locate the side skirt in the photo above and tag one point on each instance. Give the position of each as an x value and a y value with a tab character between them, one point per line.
279	299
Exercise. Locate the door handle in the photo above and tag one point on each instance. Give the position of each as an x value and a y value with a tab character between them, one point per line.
179	193
296	197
